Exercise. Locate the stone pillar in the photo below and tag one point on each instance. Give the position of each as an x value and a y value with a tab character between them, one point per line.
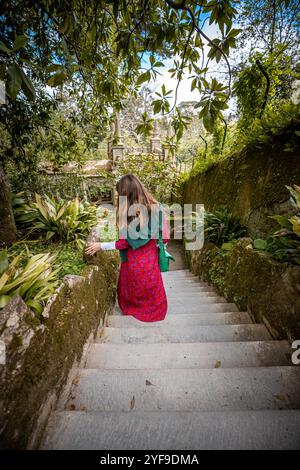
118	151
118	148
165	151
166	147
110	141
155	142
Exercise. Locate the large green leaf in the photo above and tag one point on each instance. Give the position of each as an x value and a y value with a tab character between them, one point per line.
4	299
283	221
144	77
27	86
57	79
14	81
260	244
3	261
295	221
5	49
20	42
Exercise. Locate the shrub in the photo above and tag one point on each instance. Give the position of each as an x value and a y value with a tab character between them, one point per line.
284	244
159	177
34	282
67	221
222	227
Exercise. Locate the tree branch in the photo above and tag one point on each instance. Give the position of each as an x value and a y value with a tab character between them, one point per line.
181	6
265	74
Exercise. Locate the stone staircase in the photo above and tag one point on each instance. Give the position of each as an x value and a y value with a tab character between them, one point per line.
205	378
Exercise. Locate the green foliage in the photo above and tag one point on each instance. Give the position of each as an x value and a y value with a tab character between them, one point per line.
34	282
69	260
159	177
267	24
250	85
228	41
61	186
179	123
221	227
101	44
99	192
212	104
68	221
146	126
274	122
228	246
162	104
260	244
284	244
59	143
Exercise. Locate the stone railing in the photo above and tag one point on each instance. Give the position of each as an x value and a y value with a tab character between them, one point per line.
268	290
41	352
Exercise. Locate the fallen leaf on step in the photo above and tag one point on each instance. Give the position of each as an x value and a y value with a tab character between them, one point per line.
280	397
217	364
132	403
148	382
70	407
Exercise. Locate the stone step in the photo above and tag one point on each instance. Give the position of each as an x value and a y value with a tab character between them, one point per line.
198	307
176	271
218	318
183	278
189	355
195	299
187	334
177	430
186	282
260	388
183	296
188	289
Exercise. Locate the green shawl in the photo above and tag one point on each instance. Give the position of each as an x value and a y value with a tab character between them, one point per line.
146	234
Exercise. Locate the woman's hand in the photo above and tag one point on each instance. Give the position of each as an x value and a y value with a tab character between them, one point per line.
92	248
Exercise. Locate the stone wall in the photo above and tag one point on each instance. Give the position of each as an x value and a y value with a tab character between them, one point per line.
251	184
40	352
267	289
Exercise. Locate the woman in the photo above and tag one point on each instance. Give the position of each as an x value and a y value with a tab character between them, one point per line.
141	292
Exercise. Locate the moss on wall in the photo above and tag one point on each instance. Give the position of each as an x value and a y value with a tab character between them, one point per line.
250	184
41	354
267	289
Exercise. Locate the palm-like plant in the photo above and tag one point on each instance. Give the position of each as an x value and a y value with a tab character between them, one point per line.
222	227
34	282
68	221
284	244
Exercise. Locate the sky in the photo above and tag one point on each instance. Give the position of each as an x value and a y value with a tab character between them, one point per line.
184	91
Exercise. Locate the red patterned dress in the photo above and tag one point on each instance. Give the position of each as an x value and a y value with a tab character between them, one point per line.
141	291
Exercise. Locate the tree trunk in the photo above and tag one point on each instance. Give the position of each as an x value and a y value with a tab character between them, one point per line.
8	230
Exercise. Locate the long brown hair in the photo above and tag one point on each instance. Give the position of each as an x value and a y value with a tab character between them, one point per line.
133	189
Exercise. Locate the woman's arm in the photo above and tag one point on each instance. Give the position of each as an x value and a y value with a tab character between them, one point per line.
92	248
